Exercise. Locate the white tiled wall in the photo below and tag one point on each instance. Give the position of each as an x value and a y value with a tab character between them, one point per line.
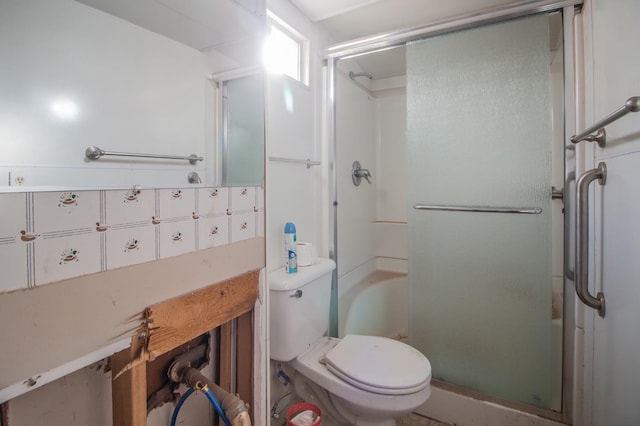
51	236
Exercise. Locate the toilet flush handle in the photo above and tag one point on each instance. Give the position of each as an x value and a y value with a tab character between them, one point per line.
297	294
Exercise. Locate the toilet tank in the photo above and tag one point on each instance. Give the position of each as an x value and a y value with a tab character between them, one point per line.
299	308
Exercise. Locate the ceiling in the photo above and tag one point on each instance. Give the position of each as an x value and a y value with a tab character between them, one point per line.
351	19
231	27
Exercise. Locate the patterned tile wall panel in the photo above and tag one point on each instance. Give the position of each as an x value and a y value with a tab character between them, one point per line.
67	243
124	207
15	241
243	226
51	236
176	238
130	245
243	199
61	257
213	231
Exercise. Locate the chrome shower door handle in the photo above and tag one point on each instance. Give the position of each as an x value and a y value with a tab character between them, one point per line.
582	238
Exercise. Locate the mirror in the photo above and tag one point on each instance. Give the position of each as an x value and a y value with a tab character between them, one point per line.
116	77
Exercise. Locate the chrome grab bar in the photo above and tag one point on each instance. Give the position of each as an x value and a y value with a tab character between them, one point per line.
523	210
582	238
94	153
600	135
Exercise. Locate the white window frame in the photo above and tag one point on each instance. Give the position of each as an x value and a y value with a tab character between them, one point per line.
299	39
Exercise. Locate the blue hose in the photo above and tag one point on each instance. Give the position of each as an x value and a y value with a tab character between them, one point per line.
210	396
216	406
181	401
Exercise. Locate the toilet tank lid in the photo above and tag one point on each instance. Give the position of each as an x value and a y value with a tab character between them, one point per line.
279	280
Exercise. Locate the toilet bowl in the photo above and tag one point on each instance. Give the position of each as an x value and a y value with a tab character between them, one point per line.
360	380
373	378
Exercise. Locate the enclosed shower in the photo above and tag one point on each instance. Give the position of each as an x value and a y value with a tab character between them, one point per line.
457	243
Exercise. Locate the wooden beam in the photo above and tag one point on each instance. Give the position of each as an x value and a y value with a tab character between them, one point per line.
224	359
225	356
244	359
179	320
129	388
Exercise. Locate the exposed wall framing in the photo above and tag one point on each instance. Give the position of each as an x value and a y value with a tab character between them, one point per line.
4	414
177	321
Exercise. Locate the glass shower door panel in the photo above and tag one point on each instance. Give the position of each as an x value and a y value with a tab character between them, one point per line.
479	134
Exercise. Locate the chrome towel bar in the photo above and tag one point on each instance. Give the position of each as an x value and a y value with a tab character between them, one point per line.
516	210
596	133
308	162
94	153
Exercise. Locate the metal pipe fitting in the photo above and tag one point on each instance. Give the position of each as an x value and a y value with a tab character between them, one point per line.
234	408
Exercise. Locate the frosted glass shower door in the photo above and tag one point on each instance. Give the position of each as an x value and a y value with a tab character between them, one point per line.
479	135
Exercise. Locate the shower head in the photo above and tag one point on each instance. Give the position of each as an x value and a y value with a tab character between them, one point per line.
353	75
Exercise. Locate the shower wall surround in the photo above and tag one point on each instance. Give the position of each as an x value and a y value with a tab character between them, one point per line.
52	236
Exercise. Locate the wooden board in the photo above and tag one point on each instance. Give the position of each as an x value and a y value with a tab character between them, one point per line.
224	359
179	320
128	388
225	356
244	359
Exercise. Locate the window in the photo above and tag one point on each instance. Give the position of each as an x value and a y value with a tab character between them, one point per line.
286	50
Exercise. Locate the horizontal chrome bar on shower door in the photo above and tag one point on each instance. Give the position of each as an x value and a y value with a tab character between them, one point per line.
513	210
582	238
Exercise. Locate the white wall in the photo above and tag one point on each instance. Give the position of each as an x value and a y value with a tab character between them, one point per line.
391	159
293	129
612	377
295	193
391	155
356	204
371	123
371	218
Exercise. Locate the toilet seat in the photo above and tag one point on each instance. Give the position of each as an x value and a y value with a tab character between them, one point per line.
379	365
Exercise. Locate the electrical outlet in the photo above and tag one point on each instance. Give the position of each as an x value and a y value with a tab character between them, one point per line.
19	180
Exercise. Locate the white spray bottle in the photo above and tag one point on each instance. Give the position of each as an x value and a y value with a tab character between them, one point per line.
291	264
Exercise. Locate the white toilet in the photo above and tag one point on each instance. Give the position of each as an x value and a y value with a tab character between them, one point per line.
358	380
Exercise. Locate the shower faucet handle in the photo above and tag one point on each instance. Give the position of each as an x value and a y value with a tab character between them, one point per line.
364	173
358	173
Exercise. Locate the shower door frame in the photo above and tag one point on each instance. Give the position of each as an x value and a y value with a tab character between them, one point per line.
572	94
